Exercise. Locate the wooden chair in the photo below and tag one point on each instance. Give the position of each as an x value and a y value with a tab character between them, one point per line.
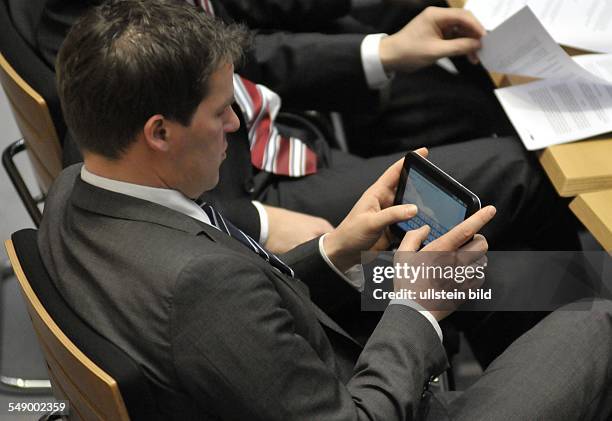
99	380
39	137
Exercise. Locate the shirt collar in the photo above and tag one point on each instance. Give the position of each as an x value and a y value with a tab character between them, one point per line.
169	198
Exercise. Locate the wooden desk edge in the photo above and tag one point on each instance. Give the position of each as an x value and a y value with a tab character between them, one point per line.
592	221
554	172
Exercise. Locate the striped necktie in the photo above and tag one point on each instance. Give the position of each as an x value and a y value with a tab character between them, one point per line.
271	151
227	227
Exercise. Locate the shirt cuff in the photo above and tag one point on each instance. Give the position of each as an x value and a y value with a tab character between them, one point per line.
355	281
375	74
263	222
420	309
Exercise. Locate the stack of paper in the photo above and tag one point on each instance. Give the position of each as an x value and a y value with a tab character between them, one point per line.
563	98
584	24
573	99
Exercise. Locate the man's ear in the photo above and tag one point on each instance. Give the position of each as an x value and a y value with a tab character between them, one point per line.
156	132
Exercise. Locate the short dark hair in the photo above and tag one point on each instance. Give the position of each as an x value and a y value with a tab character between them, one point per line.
127	60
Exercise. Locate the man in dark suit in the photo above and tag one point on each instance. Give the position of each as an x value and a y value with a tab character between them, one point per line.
222	328
497	169
302	49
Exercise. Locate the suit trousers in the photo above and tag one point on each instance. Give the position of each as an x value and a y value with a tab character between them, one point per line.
430	107
559	370
498	170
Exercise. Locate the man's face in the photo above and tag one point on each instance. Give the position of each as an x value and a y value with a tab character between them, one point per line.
198	150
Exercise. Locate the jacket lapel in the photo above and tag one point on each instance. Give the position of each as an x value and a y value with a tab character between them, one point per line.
121	206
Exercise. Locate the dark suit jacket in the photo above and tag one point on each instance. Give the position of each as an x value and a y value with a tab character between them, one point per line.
218	331
287	14
296	65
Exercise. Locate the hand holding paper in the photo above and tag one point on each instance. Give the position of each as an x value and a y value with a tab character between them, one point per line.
435	33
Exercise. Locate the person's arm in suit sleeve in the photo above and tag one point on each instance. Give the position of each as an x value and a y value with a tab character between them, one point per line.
251	349
300	67
312	70
286	14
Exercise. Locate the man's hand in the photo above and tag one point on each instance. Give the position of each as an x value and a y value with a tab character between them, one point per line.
460	247
366	226
435	33
288	229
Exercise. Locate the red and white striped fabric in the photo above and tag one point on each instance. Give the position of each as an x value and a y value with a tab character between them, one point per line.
204	4
207	6
270	150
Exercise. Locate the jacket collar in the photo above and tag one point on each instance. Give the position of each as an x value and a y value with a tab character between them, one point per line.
116	205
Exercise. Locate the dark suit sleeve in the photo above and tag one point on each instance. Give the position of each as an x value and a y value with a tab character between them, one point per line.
239	350
312	70
286	14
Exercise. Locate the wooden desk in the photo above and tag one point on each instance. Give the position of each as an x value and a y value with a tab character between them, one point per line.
582	169
595	211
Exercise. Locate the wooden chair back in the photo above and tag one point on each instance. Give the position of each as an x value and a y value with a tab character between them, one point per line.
35	123
91	392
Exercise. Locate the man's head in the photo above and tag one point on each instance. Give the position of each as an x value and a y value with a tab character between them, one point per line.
143	80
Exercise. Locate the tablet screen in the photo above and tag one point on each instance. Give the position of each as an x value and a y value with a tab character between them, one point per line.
437	208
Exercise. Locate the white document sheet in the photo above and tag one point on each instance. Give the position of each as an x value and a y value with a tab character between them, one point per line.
491	13
572	101
522	46
550	112
598	64
584	24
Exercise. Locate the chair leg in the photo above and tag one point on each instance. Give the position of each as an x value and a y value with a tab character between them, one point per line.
16	384
52	417
6	271
25	386
29	201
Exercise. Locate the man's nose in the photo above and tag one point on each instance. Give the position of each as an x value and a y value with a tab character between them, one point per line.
233	123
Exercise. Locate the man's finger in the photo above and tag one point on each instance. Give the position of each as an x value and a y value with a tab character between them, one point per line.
461	22
473	58
424	152
479	245
463	232
393	215
473	250
391	176
413	239
459	47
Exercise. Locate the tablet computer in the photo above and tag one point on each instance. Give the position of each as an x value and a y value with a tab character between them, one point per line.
442	201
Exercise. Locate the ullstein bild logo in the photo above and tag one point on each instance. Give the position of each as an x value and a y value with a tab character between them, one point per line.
433	294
